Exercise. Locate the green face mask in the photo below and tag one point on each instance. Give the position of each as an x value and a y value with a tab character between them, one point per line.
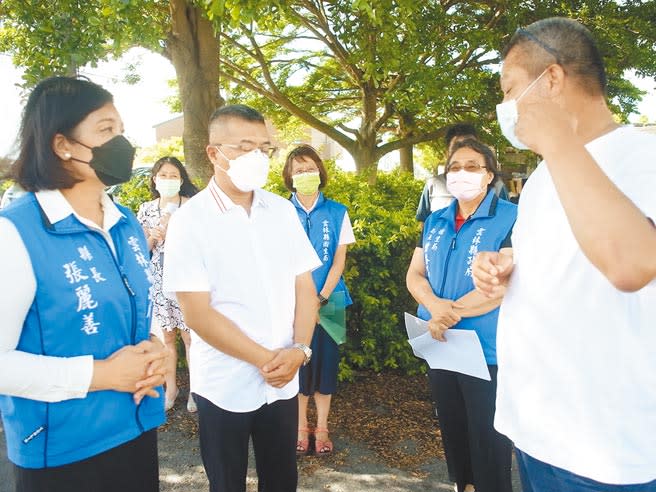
306	183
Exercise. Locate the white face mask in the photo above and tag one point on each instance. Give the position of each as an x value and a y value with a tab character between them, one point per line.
465	185
248	171
167	188
507	116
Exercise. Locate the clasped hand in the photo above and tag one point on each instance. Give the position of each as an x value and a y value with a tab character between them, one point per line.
443	316
282	368
138	369
491	272
158	234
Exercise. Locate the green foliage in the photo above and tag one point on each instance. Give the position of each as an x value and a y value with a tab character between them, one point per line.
386	231
173	102
54	38
374	75
377	74
430	156
136	191
4	185
147	156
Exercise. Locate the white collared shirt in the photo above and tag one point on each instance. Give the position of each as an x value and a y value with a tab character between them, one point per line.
24	374
577	357
249	265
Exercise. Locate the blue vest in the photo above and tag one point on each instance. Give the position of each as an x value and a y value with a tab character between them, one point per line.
87	302
323	225
448	256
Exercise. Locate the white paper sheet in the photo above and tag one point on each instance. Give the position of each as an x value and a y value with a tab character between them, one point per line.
462	352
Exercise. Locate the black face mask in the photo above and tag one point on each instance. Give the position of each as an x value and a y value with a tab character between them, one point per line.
112	161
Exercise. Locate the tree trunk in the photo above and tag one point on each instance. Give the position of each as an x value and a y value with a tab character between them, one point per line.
194	52
407	161
364	149
366	163
407	126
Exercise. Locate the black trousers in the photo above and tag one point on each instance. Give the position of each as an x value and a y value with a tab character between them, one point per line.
130	467
224	440
475	452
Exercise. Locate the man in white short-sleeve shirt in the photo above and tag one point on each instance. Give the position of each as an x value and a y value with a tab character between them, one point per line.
577	330
240	265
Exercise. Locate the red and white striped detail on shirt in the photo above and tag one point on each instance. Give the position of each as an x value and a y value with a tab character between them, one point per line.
217	198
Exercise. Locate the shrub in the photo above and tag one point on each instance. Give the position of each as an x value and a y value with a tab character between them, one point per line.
135	192
386	232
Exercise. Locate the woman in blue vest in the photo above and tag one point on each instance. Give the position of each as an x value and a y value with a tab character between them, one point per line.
328	227
79	376
440	280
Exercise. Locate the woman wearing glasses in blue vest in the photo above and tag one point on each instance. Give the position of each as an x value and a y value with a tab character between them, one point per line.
440	280
328	227
79	376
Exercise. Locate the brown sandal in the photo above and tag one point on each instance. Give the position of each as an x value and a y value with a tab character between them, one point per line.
322	447
303	445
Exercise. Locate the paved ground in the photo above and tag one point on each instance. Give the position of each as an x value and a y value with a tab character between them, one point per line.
354	468
385	440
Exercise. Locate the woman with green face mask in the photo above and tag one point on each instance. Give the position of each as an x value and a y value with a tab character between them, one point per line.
328	227
170	187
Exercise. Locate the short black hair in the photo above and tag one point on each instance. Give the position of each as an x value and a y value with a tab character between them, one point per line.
565	42
187	188
240	111
55	106
480	148
459	130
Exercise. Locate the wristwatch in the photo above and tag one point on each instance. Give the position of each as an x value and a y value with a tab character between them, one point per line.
307	352
322	300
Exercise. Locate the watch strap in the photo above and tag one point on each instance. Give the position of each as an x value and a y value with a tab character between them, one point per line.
307	352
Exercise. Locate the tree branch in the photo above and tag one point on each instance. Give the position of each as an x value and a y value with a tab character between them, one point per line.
387	113
274	94
347	129
328	38
406	142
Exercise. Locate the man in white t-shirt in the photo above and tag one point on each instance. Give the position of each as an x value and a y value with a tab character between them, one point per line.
240	264
576	342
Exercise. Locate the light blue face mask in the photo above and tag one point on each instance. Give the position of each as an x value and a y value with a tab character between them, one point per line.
507	116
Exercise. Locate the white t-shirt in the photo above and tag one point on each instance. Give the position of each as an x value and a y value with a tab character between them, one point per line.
577	357
249	266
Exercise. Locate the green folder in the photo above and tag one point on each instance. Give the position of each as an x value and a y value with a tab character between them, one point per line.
332	317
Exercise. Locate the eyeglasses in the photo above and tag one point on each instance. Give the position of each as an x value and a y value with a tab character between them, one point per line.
470	167
540	43
306	170
246	147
